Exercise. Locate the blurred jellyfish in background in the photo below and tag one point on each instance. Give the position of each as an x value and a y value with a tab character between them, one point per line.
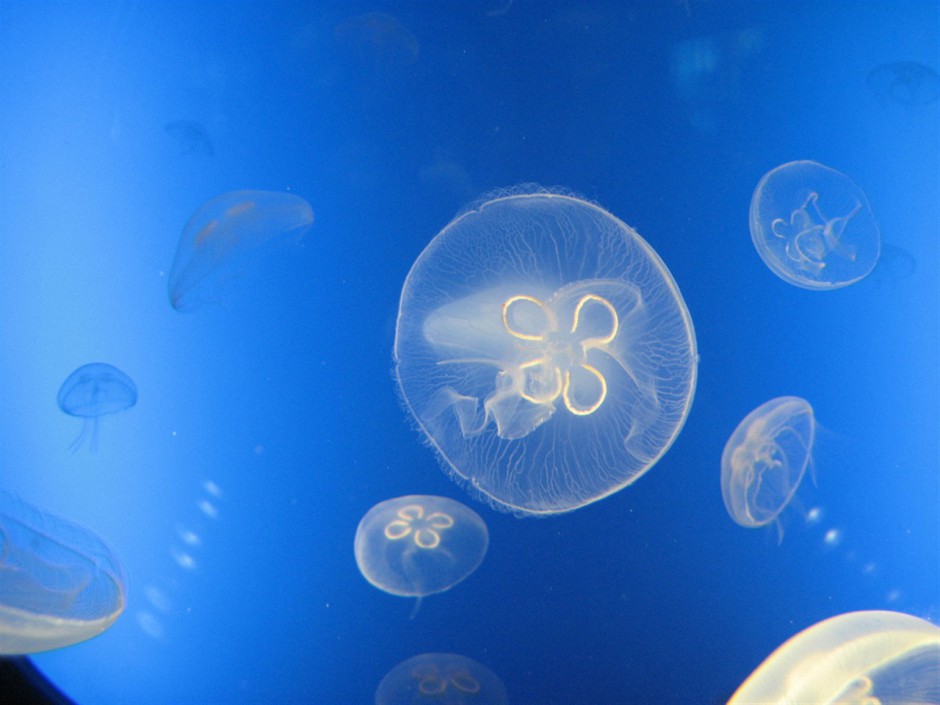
545	351
221	232
813	226
378	38
419	545
446	679
764	461
92	391
191	138
59	583
858	658
905	82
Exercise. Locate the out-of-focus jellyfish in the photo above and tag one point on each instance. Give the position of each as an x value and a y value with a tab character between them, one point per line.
224	229
379	38
545	351
449	679
905	82
59	583
190	137
765	459
419	545
92	391
857	658
813	226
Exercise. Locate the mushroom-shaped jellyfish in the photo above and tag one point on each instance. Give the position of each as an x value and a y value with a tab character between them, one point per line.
221	232
92	391
419	545
813	226
545	351
765	459
858	658
448	679
59	583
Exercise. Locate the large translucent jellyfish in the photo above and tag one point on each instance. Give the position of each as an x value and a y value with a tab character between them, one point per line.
858	658
813	226
765	459
448	679
221	232
545	351
418	545
92	391
59	583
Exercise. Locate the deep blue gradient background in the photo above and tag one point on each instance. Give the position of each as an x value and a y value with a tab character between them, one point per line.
667	114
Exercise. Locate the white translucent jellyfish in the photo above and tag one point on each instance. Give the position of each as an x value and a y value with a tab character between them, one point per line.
858	658
418	545
765	459
59	583
545	351
449	679
813	226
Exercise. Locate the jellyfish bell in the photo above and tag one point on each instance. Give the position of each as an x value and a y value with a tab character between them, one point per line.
544	350
440	678
92	391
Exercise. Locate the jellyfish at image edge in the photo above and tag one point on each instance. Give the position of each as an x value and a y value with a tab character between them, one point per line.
857	658
765	459
545	351
905	82
419	545
92	391
59	583
813	226
440	678
221	232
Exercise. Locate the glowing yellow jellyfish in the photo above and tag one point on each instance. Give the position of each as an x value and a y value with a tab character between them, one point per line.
545	351
858	658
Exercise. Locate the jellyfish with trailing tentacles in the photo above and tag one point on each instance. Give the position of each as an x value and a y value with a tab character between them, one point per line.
92	391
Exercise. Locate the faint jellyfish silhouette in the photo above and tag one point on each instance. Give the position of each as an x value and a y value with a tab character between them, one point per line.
449	679
92	391
905	82
419	545
857	658
545	351
59	583
379	38
765	459
221	232
190	137
813	226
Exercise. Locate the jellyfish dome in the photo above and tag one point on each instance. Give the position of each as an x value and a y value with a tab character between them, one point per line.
418	545
59	583
94	390
545	351
448	679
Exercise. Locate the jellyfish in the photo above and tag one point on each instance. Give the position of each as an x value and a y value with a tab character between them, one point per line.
905	82
59	583
857	658
440	678
765	459
92	391
380	38
545	351
221	232
813	226
190	137
419	545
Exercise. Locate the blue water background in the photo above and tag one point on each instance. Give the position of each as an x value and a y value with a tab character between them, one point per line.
282	398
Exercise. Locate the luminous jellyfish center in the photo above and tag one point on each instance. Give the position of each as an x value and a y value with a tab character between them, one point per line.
435	685
424	531
810	236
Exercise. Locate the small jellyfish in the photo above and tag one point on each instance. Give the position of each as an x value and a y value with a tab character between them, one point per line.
905	82
379	38
419	545
59	583
92	391
224	229
857	658
813	226
449	679
765	459
545	351
190	137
